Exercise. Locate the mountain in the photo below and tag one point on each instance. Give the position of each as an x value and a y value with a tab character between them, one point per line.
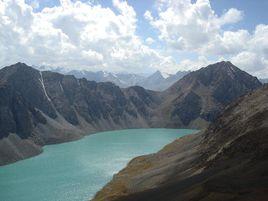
160	81
38	108
200	96
228	161
264	81
43	107
120	79
55	69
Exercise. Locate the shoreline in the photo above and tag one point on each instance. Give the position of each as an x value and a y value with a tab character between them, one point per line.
79	138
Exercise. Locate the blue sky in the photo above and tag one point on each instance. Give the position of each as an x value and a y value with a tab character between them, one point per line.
136	35
255	11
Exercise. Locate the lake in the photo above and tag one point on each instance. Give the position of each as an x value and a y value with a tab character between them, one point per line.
75	171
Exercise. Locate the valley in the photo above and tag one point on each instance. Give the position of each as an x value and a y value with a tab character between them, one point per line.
227	161
132	100
39	108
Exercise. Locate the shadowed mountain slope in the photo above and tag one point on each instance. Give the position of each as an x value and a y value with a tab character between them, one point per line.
43	107
46	107
227	161
199	97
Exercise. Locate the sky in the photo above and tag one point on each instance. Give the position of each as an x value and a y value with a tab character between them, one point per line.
135	36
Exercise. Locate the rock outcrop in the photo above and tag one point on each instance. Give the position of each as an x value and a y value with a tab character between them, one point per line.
227	161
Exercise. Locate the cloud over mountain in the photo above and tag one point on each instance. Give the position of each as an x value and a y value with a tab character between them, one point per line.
182	35
194	26
74	34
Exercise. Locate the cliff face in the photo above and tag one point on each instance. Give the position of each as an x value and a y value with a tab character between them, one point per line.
227	161
38	108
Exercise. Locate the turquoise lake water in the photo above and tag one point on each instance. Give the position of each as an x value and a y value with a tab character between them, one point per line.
75	171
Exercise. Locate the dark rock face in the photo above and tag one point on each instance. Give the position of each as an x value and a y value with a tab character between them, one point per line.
199	97
48	107
16	115
142	99
29	83
228	161
188	109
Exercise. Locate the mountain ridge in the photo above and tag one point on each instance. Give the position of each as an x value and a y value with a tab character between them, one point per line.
227	161
124	79
200	96
47	107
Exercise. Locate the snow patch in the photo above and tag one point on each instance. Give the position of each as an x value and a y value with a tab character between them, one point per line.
61	87
42	83
165	75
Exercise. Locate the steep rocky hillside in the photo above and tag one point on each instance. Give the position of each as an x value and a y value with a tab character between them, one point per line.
38	108
199	97
43	107
228	161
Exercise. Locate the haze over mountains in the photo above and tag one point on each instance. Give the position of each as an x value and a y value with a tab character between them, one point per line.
264	80
160	81
157	81
38	108
120	79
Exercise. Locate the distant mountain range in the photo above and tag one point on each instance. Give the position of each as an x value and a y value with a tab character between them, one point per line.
38	108
157	81
122	80
160	81
264	80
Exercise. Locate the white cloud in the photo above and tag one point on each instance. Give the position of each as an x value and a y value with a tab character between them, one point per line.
231	16
74	34
252	62
148	15
85	35
149	40
187	26
191	65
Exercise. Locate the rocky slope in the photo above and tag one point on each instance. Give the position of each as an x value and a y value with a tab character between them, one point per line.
227	161
38	108
199	97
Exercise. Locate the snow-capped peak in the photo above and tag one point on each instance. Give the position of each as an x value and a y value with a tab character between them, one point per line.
165	75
